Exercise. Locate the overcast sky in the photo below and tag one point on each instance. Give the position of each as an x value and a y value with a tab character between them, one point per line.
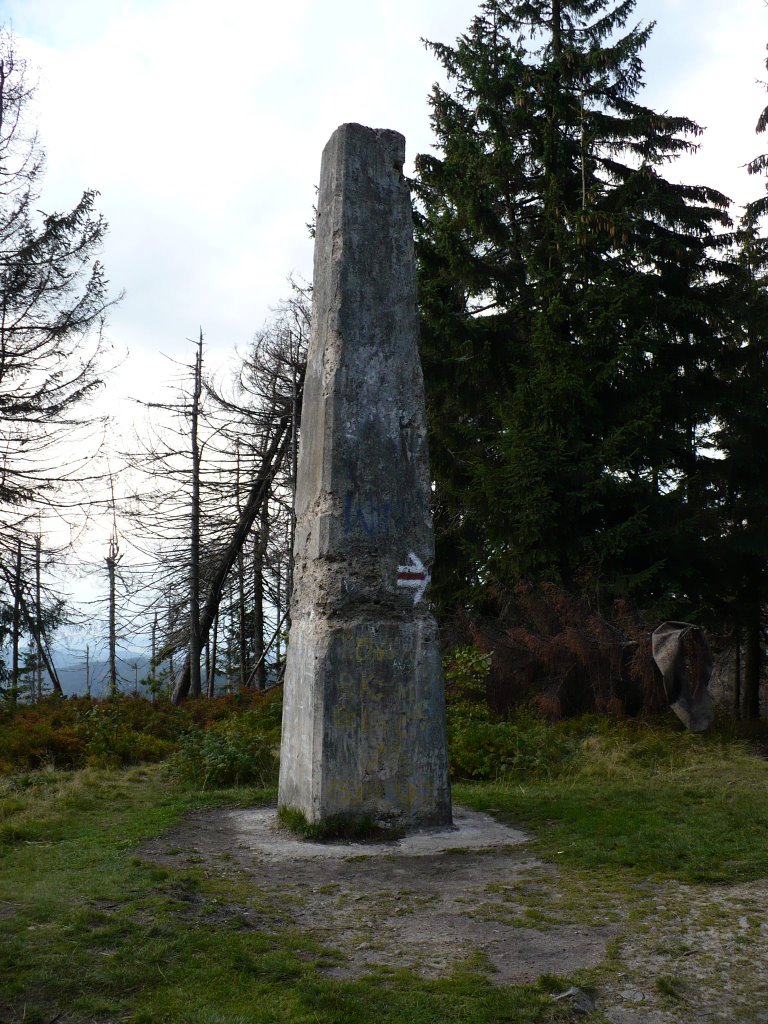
202	125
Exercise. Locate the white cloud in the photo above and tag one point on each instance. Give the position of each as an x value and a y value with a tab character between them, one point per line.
202	125
703	63
203	129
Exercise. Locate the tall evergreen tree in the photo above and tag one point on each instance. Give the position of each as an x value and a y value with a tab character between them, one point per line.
568	328
742	551
742	422
53	303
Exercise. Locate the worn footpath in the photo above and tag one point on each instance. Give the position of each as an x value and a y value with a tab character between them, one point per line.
641	952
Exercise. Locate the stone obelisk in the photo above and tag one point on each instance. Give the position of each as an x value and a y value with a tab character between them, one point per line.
364	715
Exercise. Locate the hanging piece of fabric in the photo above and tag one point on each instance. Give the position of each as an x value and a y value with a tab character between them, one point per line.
684	659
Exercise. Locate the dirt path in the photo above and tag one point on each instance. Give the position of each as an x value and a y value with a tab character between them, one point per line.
677	956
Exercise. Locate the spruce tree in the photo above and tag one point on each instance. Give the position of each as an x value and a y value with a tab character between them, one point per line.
568	327
741	546
741	549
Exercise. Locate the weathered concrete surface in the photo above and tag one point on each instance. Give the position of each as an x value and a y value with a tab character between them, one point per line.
258	830
364	718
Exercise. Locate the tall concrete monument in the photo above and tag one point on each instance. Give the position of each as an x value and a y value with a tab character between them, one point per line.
364	715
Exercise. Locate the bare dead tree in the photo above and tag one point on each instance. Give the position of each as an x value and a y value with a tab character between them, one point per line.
53	303
30	614
112	560
258	494
212	506
194	514
173	510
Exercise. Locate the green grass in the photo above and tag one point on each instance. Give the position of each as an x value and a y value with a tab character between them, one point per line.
650	802
93	932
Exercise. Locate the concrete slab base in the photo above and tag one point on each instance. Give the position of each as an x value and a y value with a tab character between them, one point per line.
259	830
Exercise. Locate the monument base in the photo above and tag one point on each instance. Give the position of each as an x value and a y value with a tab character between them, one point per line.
364	723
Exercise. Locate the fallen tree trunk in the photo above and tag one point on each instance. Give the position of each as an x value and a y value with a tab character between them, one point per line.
258	494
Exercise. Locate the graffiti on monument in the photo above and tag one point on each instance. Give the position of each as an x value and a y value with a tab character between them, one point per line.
375	696
372	515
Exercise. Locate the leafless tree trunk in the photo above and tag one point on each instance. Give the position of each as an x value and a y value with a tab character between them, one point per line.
154	642
242	617
38	624
50	668
112	559
211	681
258	494
16	624
22	612
170	633
194	540
259	551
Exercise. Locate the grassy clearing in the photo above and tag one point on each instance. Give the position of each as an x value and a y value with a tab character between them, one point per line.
658	834
648	801
92	933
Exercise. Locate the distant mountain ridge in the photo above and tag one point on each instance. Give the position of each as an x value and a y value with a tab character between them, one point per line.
132	668
75	681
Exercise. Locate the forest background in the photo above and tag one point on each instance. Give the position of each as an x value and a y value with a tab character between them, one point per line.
593	339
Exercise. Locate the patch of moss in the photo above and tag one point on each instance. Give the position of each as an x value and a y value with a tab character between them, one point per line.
358	827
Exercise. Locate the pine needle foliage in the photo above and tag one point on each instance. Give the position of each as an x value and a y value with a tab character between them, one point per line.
568	323
739	550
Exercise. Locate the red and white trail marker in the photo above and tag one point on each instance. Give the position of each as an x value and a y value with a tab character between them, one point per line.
414	576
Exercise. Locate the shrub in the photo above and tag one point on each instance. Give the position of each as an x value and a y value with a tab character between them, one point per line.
116	735
488	749
232	752
550	649
43	734
466	677
122	730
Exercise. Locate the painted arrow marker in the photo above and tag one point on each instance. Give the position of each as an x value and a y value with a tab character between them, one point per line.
414	576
